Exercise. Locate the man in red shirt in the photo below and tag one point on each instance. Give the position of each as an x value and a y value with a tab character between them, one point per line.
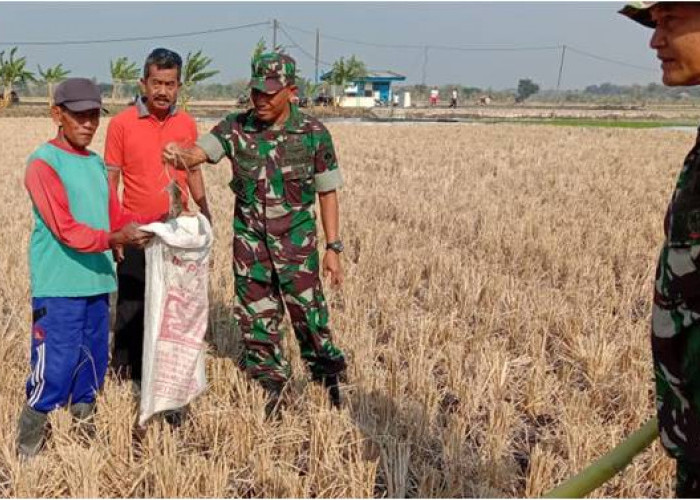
135	139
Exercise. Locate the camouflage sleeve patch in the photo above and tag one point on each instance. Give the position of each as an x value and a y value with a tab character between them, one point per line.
330	180
212	146
324	155
327	175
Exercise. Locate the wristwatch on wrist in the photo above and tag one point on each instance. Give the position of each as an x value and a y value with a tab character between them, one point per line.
336	246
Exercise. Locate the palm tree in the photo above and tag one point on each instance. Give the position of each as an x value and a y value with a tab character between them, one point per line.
307	88
259	48
356	68
52	76
344	72
122	71
13	70
193	72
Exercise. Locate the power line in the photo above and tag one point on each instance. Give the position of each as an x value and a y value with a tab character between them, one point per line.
607	59
301	49
482	48
281	26
138	38
357	42
475	48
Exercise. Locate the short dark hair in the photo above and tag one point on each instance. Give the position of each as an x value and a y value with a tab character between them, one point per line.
163	59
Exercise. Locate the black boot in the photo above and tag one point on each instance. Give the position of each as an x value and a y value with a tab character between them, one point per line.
31	432
687	479
175	417
330	382
329	372
274	390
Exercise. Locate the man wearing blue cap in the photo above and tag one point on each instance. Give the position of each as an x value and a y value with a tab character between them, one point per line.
675	325
77	221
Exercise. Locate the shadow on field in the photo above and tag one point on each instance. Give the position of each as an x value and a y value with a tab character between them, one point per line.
432	455
412	458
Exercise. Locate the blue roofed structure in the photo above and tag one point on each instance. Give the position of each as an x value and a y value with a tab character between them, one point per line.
374	83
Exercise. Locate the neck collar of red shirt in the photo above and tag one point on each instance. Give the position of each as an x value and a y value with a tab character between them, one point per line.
65	146
143	108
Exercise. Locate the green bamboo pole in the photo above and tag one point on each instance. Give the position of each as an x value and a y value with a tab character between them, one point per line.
608	465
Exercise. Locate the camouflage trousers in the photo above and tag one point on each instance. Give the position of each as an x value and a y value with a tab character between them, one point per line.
675	344
259	311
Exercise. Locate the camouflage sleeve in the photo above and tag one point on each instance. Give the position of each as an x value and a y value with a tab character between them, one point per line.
676	347
684	272
218	142
326	172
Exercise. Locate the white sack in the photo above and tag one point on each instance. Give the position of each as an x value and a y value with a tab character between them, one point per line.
176	312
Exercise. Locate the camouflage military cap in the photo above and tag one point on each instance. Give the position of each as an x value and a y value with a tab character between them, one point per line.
271	72
639	11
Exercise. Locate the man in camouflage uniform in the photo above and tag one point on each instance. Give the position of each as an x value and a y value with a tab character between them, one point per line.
676	309
281	159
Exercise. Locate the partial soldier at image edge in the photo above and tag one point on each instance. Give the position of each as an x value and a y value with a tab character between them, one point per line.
675	335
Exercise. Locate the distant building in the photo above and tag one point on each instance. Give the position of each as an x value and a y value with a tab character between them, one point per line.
374	86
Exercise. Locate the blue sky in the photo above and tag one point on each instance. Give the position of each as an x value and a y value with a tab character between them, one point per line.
591	27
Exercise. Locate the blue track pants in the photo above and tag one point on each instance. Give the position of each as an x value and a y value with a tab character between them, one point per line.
70	349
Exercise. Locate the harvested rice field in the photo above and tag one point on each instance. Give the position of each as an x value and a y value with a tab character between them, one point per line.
495	313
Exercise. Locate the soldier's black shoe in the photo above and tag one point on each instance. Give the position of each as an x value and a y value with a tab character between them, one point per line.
687	479
274	396
176	417
330	382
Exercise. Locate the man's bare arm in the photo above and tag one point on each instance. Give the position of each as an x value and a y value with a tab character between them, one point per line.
183	158
114	176
195	181
330	219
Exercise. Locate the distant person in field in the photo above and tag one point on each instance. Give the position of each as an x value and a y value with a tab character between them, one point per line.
135	139
77	221
282	160
434	96
453	99
676	309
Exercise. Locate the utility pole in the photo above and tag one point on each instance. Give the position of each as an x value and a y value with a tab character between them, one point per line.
561	66
425	63
274	34
318	38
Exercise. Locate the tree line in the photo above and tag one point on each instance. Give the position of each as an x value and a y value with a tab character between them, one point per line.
16	74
